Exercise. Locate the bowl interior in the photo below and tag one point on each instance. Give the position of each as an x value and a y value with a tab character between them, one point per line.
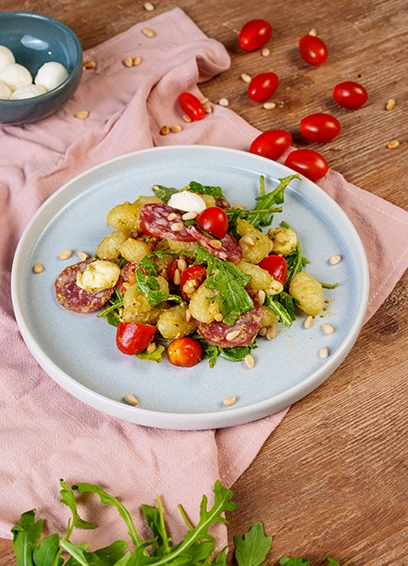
35	39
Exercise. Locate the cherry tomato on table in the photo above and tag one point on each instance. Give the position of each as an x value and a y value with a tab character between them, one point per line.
191	106
191	279
263	86
350	95
313	50
276	266
214	221
185	352
271	144
320	127
254	35
307	162
134	337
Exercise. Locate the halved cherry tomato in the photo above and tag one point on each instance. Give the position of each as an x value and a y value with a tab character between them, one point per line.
185	352
307	162
214	221
263	86
191	106
312	49
134	337
191	279
254	35
276	266
271	144
320	127
350	95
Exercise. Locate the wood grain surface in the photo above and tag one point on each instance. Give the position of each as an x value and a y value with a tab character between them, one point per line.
333	478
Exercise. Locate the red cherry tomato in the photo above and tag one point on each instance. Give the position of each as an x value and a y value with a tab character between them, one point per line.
185	352
133	337
214	221
263	86
191	106
320	127
191	279
276	266
254	35
313	50
271	144
307	162
350	95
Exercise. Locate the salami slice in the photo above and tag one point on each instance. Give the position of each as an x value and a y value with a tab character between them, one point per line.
72	297
242	333
154	221
127	275
229	250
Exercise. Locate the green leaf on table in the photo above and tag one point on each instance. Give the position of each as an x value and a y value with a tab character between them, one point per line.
111	555
26	535
68	499
332	561
253	548
286	561
48	552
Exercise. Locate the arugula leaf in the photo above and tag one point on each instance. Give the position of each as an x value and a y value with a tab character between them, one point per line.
281	312
26	535
237	353
111	555
332	561
195	187
253	547
146	278
286	561
164	193
155	356
111	309
48	552
68	499
225	277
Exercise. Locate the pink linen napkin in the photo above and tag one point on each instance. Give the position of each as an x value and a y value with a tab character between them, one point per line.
45	434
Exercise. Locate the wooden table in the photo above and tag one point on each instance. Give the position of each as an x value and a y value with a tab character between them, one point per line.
333	478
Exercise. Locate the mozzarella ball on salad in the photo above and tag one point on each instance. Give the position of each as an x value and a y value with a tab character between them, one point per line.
15	75
27	91
51	75
5	92
6	56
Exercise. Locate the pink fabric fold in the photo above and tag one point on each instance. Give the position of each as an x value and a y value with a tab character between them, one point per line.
45	434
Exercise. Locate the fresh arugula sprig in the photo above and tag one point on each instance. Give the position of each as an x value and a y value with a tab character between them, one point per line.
146	278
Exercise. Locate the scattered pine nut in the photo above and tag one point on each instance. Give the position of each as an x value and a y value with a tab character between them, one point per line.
148	32
128	62
177	277
231	335
223	102
189	215
151	348
218	316
136	61
335	259
327	328
148	7
265	52
208	109
270	332
308	322
187	119
204	101
261	296
249	360
390	104
269	105
165	130
176	128
131	399
393	144
313	32
216	244
89	65
246	78
38	268
83	256
229	401
66	254
177	226
324	352
82	114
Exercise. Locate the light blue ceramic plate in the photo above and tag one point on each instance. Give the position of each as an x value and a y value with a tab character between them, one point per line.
79	352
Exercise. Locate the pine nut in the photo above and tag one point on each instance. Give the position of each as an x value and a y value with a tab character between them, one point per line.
208	109
390	104
89	65
176	128
38	268
128	62
216	244
187	119
246	78
327	328
181	264
308	322
82	114
204	101
281	238
188	315
324	352
172	216
393	144
177	277
248	241
148	7
231	335
189	215
335	259
265	52
148	32
66	254
262	331
269	105
223	102
164	131
261	296
313	32
270	333
136	61
83	256
131	399
177	226
229	401
151	348
218	316
249	360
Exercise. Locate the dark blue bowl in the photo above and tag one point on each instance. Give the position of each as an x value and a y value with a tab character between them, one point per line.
36	39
